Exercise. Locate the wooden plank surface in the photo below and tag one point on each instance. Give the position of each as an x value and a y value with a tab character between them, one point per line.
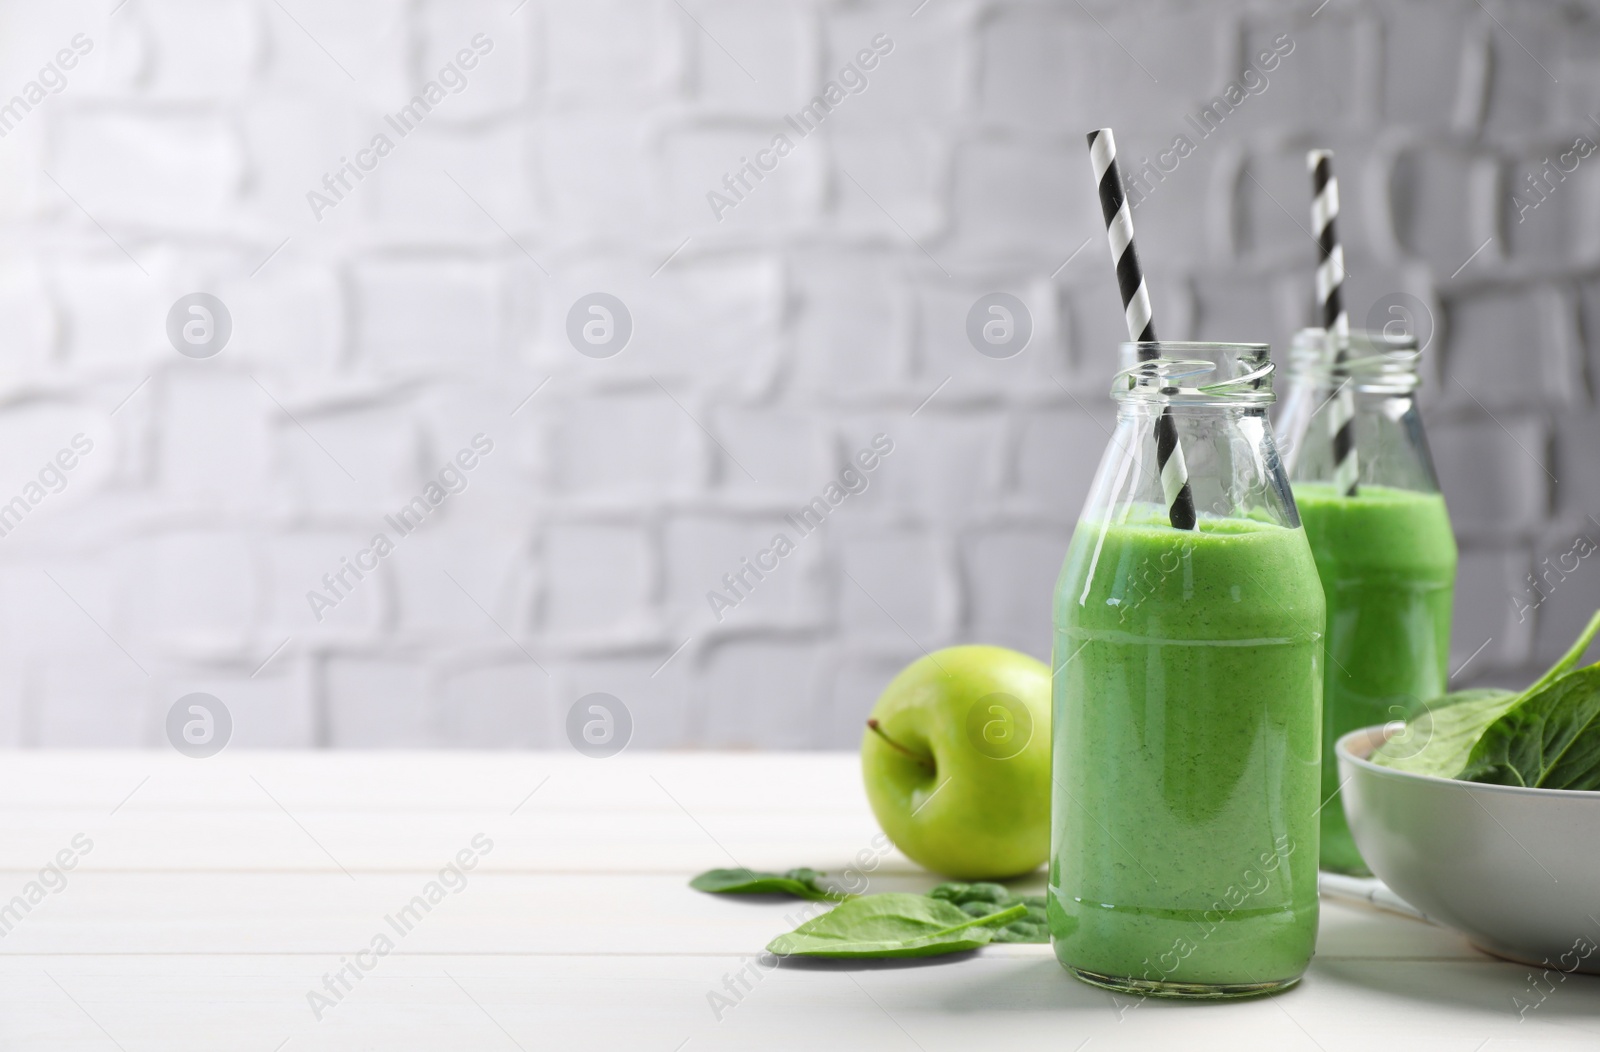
217	895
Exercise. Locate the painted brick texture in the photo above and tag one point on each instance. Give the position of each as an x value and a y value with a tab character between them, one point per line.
428	297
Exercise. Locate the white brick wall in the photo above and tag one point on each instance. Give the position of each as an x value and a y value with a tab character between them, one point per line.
370	346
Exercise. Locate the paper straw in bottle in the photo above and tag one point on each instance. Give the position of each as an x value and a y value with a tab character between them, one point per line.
1174	473
1330	301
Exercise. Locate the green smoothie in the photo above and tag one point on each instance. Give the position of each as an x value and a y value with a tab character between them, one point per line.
1387	560
1187	735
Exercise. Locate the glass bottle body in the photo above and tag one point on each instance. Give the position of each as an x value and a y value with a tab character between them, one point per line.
1186	700
1385	554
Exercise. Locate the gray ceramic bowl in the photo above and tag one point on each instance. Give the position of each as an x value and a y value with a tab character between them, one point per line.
1516	870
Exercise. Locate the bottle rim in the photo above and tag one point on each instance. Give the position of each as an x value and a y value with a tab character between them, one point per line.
1375	361
1167	372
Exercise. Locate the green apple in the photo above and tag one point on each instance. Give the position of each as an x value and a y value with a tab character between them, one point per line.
956	759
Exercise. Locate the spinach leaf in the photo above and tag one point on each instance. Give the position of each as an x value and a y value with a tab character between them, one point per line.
895	924
1457	697
961	894
1549	741
1438	741
1442	740
1570	658
801	883
979	901
984	899
1024	931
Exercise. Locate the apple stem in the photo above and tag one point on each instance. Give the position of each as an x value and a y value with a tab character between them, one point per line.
926	761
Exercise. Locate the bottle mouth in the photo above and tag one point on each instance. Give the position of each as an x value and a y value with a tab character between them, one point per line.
1374	361
1191	373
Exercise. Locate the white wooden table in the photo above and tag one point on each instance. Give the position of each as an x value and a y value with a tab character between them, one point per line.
217	894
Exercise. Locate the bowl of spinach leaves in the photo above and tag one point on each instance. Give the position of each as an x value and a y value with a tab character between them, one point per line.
1483	811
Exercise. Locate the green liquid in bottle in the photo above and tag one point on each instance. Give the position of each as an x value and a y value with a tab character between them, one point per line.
1387	560
1187	733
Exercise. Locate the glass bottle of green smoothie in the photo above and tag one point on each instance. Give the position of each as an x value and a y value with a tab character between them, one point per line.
1385	552
1187	697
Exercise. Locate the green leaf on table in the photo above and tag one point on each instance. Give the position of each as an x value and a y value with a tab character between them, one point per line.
1438	741
1549	741
801	883
894	924
961	894
1031	927
983	899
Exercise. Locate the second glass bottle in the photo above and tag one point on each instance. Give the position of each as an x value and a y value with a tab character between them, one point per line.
1385	552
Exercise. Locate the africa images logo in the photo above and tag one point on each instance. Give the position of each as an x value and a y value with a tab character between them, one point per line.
199	325
453	478
50	80
850	81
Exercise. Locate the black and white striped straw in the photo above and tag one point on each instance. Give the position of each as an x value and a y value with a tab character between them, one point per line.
1141	325
1330	298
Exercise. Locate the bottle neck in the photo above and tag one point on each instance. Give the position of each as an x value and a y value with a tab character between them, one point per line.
1391	447
1225	453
